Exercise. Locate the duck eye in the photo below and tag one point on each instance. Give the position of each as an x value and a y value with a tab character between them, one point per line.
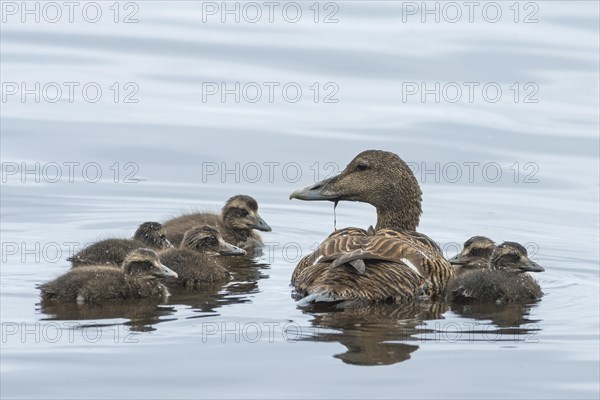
362	167
243	213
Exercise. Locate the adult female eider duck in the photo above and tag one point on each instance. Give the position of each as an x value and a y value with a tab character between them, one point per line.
137	278
505	281
391	263
476	254
113	251
194	262
237	222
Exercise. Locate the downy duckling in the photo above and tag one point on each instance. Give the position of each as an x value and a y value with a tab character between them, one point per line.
391	263
476	254
505	281
194	262
137	278
113	251
237	222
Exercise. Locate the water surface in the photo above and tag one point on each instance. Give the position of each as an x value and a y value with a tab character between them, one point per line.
509	169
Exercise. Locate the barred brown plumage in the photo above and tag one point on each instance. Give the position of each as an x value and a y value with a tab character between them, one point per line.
391	263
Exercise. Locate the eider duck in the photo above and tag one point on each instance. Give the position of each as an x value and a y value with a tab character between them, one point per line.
388	264
237	222
193	261
476	254
113	251
505	281
137	278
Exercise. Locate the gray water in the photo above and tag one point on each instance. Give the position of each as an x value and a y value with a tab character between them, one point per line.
518	164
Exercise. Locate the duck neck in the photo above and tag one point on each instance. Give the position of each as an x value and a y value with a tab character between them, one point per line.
394	219
401	209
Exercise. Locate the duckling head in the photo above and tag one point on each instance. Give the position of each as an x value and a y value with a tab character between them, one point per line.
512	257
476	253
206	239
146	262
153	234
379	178
241	213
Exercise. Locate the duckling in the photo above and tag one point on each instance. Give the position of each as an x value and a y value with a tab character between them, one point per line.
390	263
137	278
193	261
239	217
505	281
476	254
113	251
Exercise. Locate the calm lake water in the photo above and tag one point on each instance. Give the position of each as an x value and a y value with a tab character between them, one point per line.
177	106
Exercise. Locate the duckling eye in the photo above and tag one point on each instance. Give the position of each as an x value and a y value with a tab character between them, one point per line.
513	258
243	213
362	167
477	252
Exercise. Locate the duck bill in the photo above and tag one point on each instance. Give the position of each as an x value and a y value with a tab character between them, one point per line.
260	224
226	249
314	192
167	272
532	267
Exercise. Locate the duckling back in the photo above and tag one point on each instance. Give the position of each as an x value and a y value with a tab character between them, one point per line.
110	252
96	284
114	251
493	286
195	270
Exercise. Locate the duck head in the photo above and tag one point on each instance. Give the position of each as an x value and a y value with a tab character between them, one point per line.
476	253
146	262
379	178
512	257
152	234
241	213
207	240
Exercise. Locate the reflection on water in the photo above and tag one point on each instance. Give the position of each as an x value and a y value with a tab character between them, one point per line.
142	314
389	334
501	315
